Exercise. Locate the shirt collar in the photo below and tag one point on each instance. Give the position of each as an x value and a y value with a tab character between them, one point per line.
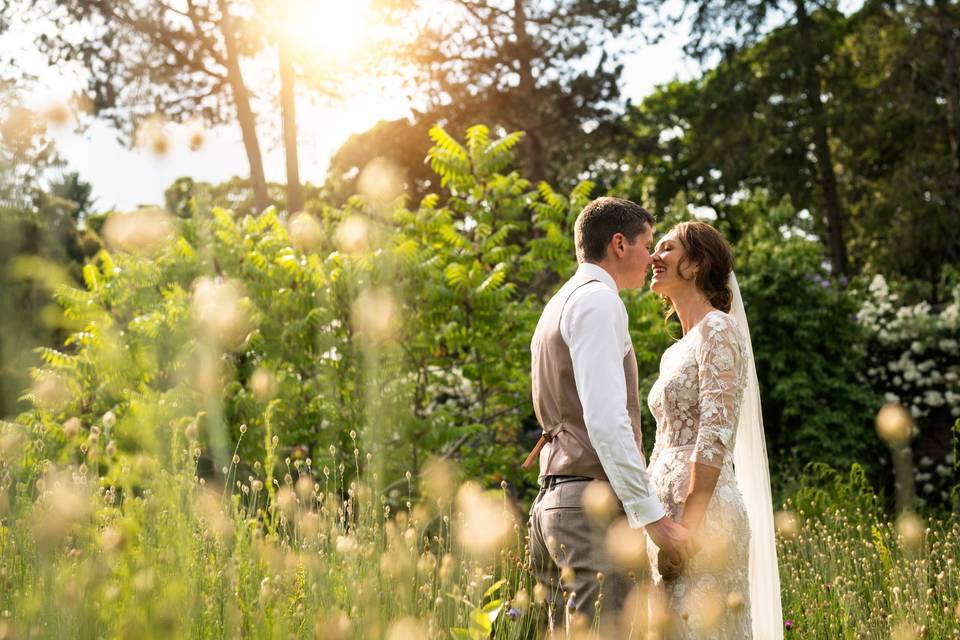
597	272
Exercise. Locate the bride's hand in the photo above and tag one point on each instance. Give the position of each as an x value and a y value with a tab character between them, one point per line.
669	564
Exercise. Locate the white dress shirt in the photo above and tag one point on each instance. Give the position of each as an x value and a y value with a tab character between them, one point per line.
594	325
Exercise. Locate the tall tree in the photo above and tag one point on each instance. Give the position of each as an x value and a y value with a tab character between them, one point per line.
729	26
549	69
896	101
144	58
288	110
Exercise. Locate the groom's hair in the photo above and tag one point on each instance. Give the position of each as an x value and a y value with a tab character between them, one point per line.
604	217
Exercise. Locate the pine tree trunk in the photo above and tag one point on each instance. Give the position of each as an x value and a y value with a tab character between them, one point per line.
289	115
948	46
241	97
536	164
833	212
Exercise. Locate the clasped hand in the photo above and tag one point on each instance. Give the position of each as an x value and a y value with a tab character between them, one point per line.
676	546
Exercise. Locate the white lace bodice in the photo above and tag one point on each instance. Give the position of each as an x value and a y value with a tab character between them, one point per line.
696	402
696	399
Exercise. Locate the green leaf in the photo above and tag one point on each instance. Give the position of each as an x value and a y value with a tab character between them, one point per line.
481	621
456	275
90	277
494	588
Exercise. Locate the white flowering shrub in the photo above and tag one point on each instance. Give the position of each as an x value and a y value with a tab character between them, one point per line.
914	360
916	352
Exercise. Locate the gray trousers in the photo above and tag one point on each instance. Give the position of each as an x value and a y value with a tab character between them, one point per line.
562	536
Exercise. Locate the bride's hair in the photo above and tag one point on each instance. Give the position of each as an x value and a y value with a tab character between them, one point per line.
708	249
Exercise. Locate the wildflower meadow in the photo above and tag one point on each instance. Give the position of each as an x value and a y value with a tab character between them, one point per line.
290	397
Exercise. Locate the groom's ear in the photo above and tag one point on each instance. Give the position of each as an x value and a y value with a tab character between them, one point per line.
616	246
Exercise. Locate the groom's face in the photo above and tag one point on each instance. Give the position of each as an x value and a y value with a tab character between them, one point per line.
636	259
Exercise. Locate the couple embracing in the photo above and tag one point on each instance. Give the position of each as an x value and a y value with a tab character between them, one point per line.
704	500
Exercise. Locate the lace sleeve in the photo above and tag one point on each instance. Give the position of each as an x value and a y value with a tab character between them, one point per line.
721	376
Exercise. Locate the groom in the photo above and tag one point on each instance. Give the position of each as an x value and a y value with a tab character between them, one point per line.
586	398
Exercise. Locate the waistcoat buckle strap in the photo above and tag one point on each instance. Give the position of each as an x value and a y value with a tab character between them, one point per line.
535	453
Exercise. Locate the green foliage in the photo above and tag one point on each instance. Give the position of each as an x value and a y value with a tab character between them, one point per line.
809	349
446	373
749	123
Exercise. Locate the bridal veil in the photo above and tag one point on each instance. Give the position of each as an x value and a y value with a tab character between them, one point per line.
753	480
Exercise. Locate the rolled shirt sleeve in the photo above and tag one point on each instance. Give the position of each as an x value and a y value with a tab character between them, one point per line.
594	327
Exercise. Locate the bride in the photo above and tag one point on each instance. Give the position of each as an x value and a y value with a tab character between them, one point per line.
709	463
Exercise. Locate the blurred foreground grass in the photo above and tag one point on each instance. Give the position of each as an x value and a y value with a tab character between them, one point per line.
168	553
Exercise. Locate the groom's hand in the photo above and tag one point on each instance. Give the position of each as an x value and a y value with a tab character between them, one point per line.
673	539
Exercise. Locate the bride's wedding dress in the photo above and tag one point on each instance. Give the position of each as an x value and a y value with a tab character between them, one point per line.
697	402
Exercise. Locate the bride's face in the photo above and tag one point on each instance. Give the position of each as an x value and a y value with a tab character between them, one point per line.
671	270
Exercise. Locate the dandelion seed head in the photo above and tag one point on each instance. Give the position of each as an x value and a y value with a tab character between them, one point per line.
626	546
894	425
786	524
196	134
71	427
287	501
220	311
910	530
51	391
381	181
352	235
374	313
600	503
152	135
111	538
305	232
439	477
332	625
407	628
263	384
62	507
447	566
486	525
903	631
540	593
735	600
11	443
144	232
347	546
304	488
56	114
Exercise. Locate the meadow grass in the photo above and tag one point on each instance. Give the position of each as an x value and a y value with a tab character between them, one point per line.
321	554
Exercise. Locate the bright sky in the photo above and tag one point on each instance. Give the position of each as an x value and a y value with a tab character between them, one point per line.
124	178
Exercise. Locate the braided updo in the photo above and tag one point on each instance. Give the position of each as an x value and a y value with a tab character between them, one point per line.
708	249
